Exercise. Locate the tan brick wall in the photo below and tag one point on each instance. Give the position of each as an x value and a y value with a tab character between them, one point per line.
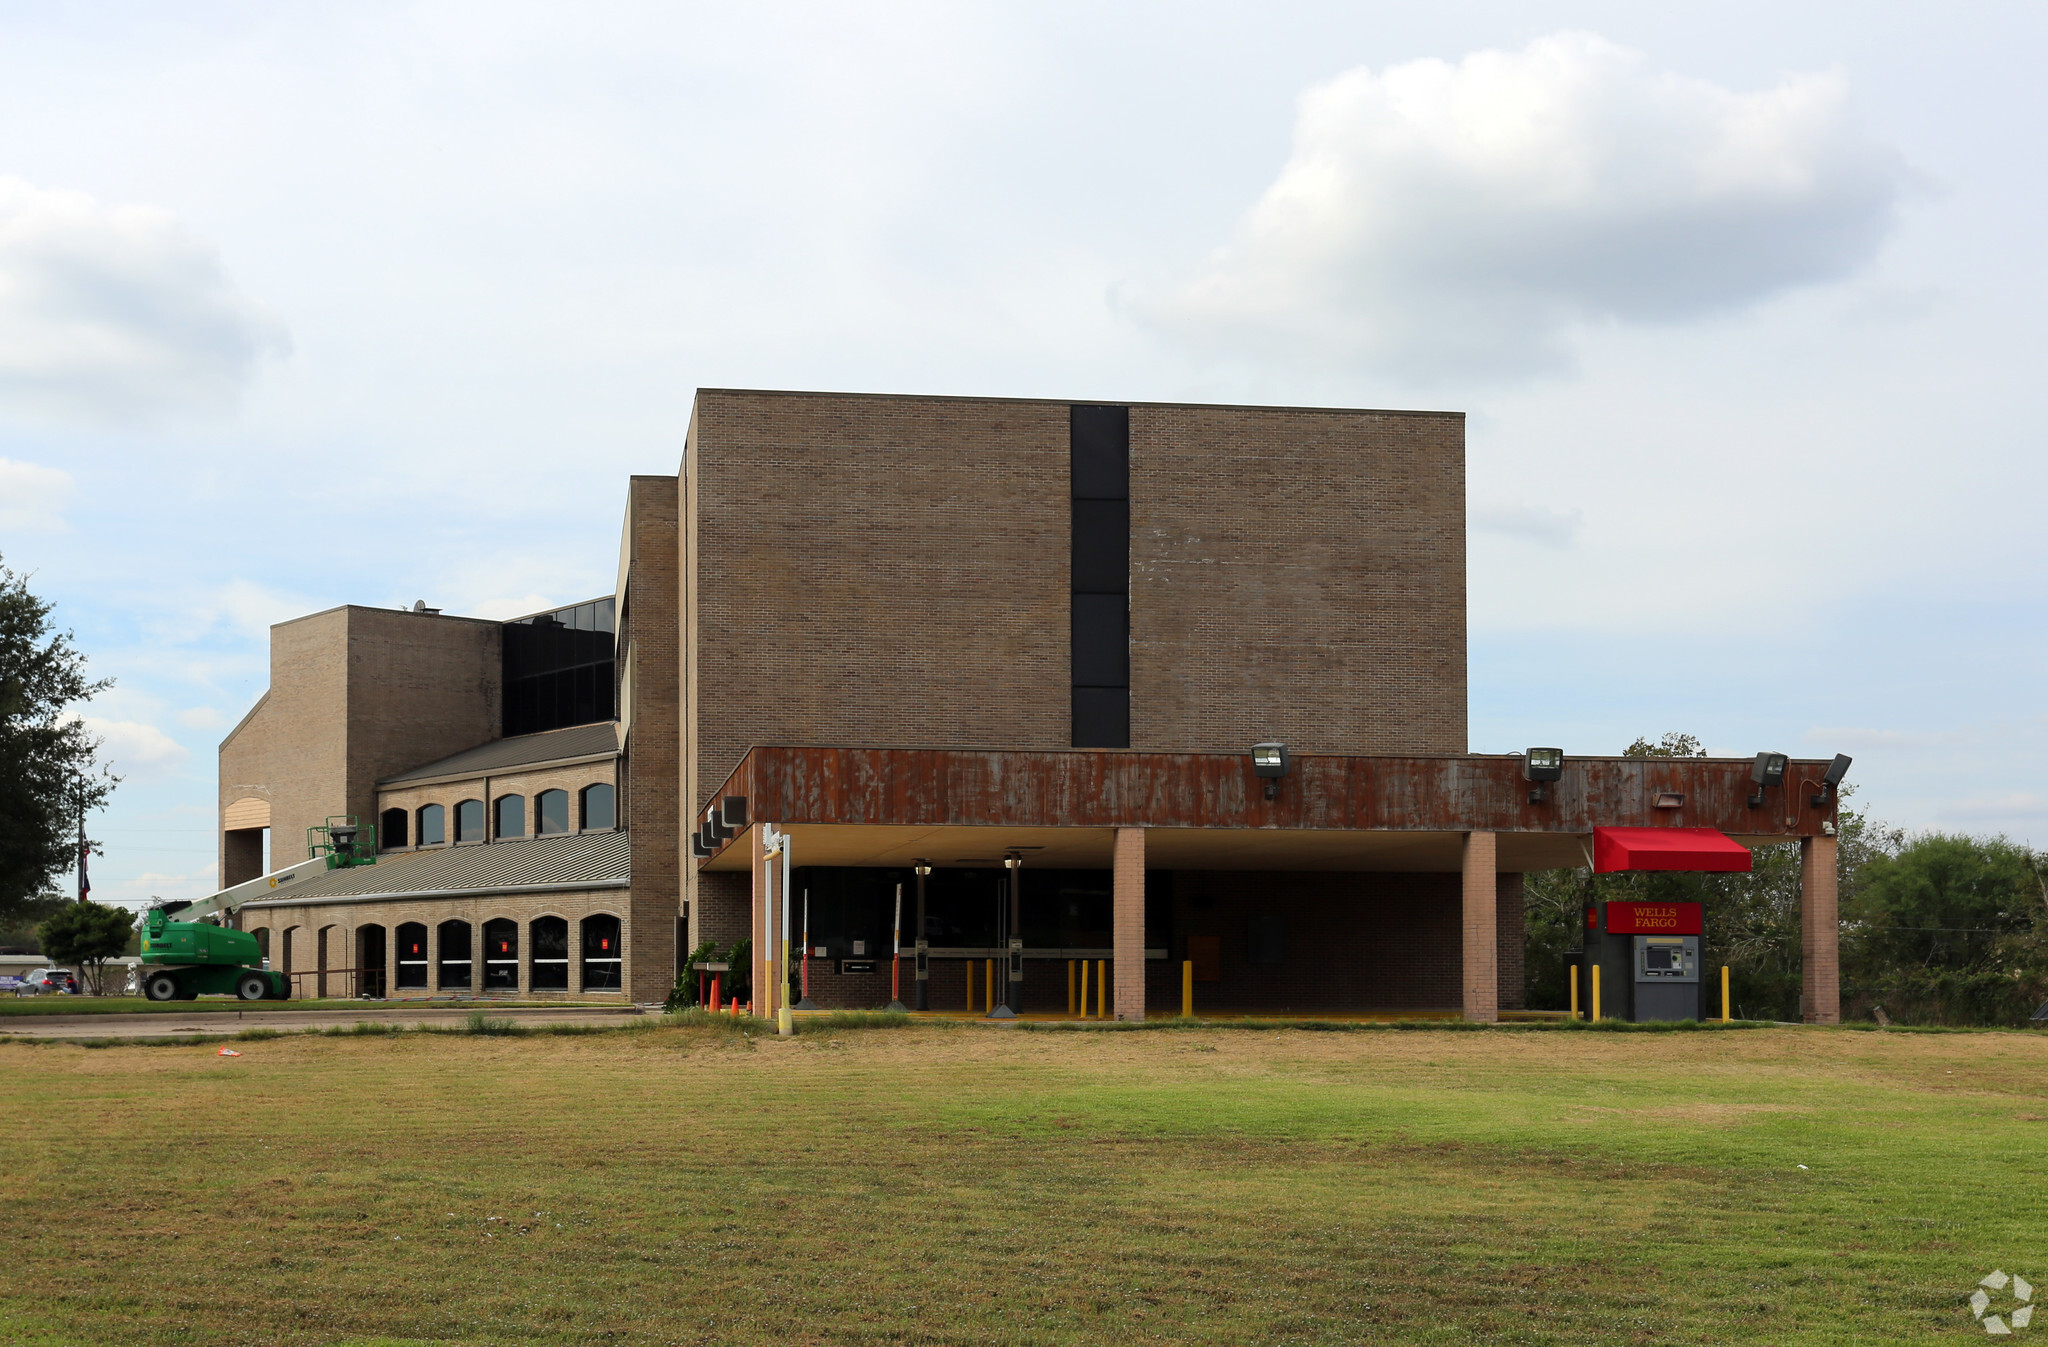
357	694
1511	942
652	782
875	571
344	921
1297	575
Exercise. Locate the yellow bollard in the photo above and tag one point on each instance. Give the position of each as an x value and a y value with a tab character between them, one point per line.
1102	989
1724	993
1596	993
1575	991
1187	989
988	991
968	964
1084	989
1070	986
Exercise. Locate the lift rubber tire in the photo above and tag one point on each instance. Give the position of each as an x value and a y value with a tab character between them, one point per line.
161	987
252	987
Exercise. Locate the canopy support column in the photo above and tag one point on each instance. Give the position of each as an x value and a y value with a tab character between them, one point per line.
1481	963
1820	933
1128	869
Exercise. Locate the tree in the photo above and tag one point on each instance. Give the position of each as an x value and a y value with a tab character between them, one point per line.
1948	929
86	935
47	779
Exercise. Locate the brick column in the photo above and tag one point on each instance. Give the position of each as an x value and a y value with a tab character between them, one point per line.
1820	933
1480	968
1511	915
1128	866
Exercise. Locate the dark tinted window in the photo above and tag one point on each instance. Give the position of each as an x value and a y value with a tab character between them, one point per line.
1102	717
597	807
1102	644
1102	547
559	668
551	811
511	816
391	829
1102	452
433	825
455	958
501	954
412	955
469	821
550	954
602	958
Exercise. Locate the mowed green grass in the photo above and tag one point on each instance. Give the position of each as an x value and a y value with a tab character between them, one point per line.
962	1184
32	1006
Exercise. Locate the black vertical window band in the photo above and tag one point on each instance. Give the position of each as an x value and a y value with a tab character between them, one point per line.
1100	631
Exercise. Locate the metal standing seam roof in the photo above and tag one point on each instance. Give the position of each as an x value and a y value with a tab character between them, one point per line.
521	750
563	861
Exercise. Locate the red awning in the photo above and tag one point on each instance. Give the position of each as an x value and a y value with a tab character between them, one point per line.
1666	849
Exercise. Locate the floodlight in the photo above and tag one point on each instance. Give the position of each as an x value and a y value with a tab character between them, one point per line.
1768	771
1831	779
1540	767
732	811
921	867
1269	759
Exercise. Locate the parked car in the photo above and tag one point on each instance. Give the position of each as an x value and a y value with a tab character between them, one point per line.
52	981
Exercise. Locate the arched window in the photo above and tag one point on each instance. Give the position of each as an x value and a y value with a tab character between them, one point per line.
511	816
551	811
285	962
602	963
597	807
391	829
501	955
550	954
454	957
370	960
262	934
412	956
433	825
469	821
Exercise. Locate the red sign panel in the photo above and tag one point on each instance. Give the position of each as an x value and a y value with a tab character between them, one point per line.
1653	919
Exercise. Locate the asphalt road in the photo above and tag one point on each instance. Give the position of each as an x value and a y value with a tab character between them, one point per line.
222	1023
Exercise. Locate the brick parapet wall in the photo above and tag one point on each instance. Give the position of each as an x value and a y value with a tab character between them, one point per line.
652	784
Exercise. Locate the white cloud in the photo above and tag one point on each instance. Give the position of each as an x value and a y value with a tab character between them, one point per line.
250	609
1529	523
117	313
134	749
136	891
1438	219
32	497
202	718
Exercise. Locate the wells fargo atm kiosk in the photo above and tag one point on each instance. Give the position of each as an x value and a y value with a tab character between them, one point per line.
1649	960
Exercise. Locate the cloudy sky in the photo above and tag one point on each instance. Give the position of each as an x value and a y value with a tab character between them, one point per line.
303	305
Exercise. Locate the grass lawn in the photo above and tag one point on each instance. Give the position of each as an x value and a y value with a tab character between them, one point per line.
136	1005
961	1184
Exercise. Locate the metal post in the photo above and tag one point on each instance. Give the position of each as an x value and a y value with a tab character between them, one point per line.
1084	989
1575	991
1013	994
1596	993
924	996
785	1022
1724	993
1187	989
806	1003
896	956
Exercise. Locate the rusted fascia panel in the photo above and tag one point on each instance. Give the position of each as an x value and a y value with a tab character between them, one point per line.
994	788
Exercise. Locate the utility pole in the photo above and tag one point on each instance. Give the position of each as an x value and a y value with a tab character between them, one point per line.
84	882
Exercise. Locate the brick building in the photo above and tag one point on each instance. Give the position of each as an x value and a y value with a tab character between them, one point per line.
999	661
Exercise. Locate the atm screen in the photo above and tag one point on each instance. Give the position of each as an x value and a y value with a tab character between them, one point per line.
1661	958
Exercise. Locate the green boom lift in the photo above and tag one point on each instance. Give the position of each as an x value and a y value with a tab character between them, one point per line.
197	955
